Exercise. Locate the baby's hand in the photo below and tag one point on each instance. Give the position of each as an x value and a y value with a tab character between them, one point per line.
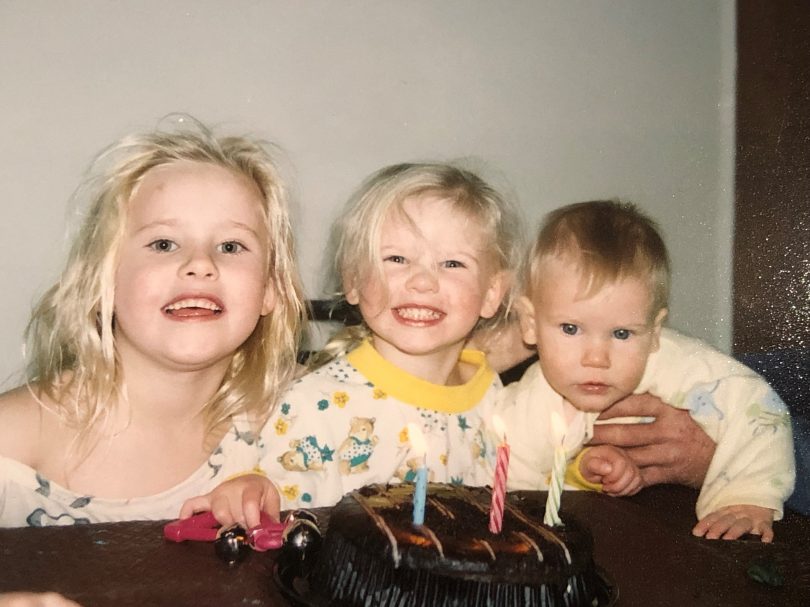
35	599
732	522
239	500
611	467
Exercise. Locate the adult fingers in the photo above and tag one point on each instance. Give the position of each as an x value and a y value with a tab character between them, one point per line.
652	455
642	405
655	475
626	435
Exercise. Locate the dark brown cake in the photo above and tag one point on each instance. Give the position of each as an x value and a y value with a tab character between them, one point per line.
374	555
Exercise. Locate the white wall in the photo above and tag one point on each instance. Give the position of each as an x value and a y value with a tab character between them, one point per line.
564	100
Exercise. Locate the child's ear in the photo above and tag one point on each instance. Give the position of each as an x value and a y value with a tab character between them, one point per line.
525	310
656	330
350	289
269	299
498	286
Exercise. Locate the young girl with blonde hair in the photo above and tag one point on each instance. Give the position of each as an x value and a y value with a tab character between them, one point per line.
425	252
153	359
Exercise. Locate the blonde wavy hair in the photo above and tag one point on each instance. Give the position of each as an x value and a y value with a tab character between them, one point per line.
356	235
608	240
70	341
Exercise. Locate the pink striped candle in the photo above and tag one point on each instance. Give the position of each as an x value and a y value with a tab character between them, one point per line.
499	483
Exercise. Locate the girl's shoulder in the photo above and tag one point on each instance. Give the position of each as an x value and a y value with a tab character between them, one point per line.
25	424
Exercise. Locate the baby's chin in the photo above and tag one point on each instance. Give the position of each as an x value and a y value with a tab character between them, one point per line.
593	402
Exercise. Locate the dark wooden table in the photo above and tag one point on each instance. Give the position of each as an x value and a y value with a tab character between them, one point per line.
643	543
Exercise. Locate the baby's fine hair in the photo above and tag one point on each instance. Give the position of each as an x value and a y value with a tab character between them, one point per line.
356	235
70	345
608	240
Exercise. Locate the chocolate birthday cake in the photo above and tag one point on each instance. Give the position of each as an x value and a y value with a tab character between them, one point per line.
374	555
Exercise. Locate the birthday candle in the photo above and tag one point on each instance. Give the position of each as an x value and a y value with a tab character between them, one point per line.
499	483
552	516
417	441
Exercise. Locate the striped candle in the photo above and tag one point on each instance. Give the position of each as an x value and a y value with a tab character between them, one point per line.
552	516
499	483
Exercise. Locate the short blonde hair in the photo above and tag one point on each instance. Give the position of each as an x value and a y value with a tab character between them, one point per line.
356	235
608	240
70	341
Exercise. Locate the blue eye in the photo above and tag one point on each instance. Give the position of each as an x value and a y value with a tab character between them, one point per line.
232	247
622	334
163	245
569	329
453	263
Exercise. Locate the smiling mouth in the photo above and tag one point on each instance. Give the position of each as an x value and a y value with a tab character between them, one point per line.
419	314
193	307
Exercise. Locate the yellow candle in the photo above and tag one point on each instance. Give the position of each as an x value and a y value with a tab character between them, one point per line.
552	516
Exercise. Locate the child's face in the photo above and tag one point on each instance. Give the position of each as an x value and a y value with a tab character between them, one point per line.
191	281
438	280
593	350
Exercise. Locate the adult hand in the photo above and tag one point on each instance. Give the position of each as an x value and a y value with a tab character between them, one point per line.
670	449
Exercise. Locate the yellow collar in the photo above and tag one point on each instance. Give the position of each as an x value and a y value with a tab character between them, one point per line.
418	392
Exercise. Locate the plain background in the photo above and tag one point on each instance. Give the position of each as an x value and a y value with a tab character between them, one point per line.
559	101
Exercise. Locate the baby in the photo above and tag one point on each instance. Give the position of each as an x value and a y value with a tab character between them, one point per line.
596	291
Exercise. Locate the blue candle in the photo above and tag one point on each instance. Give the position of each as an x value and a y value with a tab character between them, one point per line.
419	447
419	496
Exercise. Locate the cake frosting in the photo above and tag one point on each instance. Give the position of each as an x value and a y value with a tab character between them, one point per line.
374	555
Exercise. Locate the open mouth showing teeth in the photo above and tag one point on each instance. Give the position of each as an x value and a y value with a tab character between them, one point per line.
419	314
192	307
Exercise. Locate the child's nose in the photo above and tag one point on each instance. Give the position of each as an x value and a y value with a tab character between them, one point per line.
596	354
423	279
200	264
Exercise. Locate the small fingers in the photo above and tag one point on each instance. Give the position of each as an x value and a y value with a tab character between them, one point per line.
725	525
193	505
738	528
713	525
765	531
628	483
272	503
594	468
732	522
225	515
252	506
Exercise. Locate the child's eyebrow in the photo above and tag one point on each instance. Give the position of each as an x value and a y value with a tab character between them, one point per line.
161	223
173	223
243	226
633	326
